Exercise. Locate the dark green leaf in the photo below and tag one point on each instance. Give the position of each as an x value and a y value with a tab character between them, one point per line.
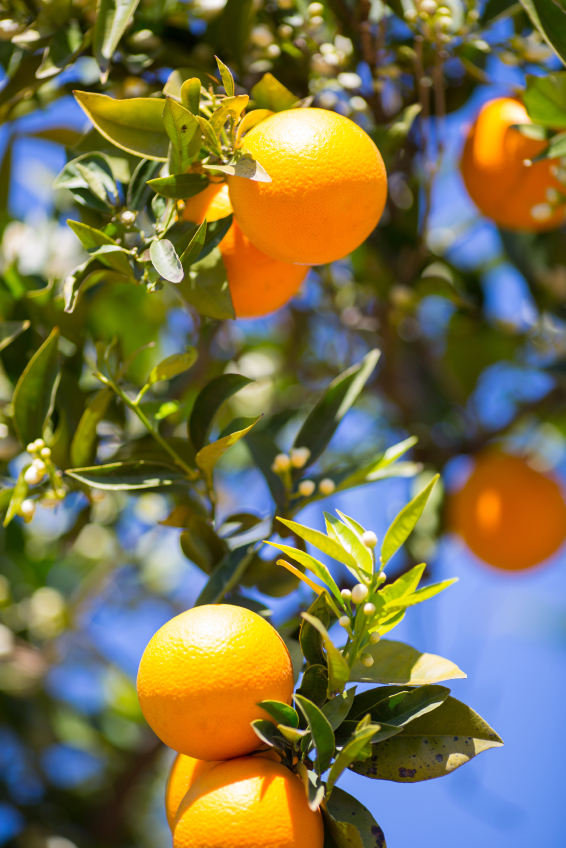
549	17
339	707
84	278
395	662
134	125
173	365
394	706
208	402
227	78
179	186
138	189
127	476
322	733
34	395
165	260
211	140
545	98
269	734
556	148
215	232
200	543
494	8
91	172
282	713
314	684
115	257
83	446
324	419
10	330
112	18
350	824
431	746
404	523
63	49
194	247
205	286
269	93
190	95
338	669
310	638
356	747
226	575
264	450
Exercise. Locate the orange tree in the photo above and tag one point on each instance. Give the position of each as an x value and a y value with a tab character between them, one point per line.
103	395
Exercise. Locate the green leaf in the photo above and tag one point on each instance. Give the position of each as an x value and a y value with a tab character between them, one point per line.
208	402
138	189
556	148
404	523
174	84
282	713
83	278
10	330
173	365
545	99
495	8
127	476
227	78
63	49
112	17
179	186
205	287
115	257
269	734
338	708
251	120
208	456
134	125
322	733
431	746
19	494
314	683
246	167
165	260
34	395
396	706
324	543
190	95
269	93
215	232
322	422
83	446
376	468
230	106
395	662
211	140
200	543
338	668
340	812
264	450
351	541
184	131
404	585
90	238
193	250
349	753
90	175
317	568
226	575
549	17
421	595
309	637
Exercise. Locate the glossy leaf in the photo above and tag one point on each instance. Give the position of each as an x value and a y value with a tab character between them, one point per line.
338	669
246	167
229	107
351	541
314	685
208	456
34	395
10	330
379	466
350	824
395	662
208	402
112	18
421	595
90	174
83	446
319	590
138	190
191	253
115	257
268	733
431	746
545	99
175	364
317	568
200	543
215	232
184	131
337	709
549	17
269	93
226	575
282	713
404	585
63	49
310	637
324	543
349	753
227	78
128	476
179	186
251	120
397	706
324	419
190	95
205	287
18	495
90	237
134	125
174	84
211	139
165	260
322	733
405	521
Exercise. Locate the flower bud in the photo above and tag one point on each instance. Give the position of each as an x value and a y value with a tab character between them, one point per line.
369	609
127	217
27	509
346	594
306	488
428	6
32	476
38	444
39	465
299	457
31	447
359	593
367	660
326	486
374	637
369	539
45	453
281	462
315	9
344	621
382	575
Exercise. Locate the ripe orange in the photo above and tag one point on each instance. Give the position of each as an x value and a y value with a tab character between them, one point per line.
247	803
514	194
510	515
202	675
184	772
258	284
327	192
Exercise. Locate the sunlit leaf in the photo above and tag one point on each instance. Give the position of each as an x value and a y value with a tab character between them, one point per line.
395	662
394	705
269	93
184	131
337	709
10	330
352	543
545	99
173	365
205	286
321	541
165	260
135	124
211	139
549	17
338	669
190	94
251	120
322	733
112	17
227	78
246	167
349	753
404	523
340	812
208	456
230	106
179	186
34	395
314	565
282	713
128	476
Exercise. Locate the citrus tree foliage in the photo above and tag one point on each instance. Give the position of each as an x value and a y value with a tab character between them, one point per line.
96	403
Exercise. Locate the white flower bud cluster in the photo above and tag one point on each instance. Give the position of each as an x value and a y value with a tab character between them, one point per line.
37	470
299	457
359	593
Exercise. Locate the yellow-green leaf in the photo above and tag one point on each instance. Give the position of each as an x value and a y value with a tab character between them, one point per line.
134	125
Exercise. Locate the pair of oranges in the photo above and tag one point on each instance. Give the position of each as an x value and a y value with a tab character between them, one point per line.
327	192
200	681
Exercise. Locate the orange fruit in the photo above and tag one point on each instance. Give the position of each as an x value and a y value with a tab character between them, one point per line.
258	284
510	515
202	675
184	772
495	168
327	192
247	803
